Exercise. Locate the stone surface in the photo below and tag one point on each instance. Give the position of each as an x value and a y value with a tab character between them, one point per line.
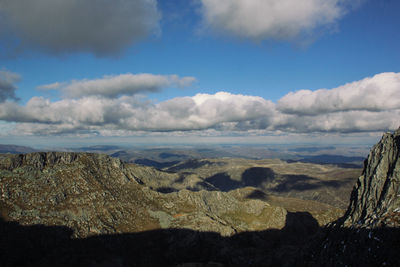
368	234
96	194
375	199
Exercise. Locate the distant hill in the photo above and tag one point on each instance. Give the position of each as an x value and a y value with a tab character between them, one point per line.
14	149
97	148
311	149
341	161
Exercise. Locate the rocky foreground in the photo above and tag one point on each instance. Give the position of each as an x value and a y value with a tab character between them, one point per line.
63	209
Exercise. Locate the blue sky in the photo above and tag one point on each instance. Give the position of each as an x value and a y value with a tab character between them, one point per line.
213	70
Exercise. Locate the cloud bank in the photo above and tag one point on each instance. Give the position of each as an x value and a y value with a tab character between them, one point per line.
115	85
378	93
369	105
7	85
271	19
101	27
201	111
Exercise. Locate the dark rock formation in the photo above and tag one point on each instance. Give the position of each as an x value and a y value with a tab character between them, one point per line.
368	234
375	200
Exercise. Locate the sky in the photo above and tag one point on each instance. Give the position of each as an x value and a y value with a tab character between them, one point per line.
198	71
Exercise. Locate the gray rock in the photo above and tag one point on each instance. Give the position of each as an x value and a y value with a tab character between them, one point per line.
96	194
376	196
368	234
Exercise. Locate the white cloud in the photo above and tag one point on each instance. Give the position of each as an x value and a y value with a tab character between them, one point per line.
199	112
51	86
101	27
378	93
271	19
7	85
343	122
204	111
123	84
369	105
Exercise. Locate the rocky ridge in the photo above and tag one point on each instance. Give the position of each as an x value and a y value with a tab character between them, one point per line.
368	234
375	199
77	208
96	194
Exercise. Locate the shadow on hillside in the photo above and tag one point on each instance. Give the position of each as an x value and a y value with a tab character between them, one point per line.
256	176
295	182
166	189
299	243
40	245
224	182
257	194
261	177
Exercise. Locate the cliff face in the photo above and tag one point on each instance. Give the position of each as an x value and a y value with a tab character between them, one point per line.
368	234
375	199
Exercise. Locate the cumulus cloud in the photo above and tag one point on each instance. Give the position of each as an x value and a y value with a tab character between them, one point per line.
7	85
340	122
371	104
204	111
114	85
378	93
101	27
271	19
368	105
201	111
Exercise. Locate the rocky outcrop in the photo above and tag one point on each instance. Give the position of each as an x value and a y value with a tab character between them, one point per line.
37	160
375	199
96	194
368	234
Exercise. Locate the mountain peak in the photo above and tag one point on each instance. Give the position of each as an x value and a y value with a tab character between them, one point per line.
375	199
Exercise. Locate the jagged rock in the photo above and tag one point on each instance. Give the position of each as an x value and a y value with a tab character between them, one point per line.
368	234
375	199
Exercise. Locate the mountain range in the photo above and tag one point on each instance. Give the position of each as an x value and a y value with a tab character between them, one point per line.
89	209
